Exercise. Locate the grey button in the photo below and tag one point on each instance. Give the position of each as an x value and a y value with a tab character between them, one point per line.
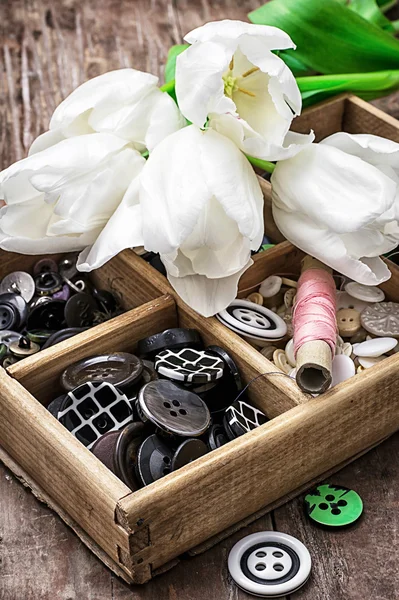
119	368
20	283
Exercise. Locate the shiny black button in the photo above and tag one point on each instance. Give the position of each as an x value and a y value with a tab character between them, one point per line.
119	368
172	409
55	405
80	310
154	460
148	374
47	316
187	452
13	311
93	409
189	365
62	335
48	283
240	418
217	437
8	316
173	339
231	368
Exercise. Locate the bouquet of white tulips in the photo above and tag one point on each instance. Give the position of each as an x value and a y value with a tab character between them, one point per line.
127	164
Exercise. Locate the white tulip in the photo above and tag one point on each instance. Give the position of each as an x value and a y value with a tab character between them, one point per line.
338	201
202	210
126	103
230	77
67	197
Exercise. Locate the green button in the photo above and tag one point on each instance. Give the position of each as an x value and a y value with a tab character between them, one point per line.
333	505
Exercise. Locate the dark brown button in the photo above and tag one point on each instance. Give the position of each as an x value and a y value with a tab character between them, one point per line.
104	449
125	454
187	452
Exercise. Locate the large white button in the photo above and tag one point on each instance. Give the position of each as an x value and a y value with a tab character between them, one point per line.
375	347
364	292
344	300
269	564
343	368
257	323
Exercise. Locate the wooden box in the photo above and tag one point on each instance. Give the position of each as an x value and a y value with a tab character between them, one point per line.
142	533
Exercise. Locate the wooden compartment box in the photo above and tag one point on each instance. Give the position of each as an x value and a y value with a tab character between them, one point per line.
139	534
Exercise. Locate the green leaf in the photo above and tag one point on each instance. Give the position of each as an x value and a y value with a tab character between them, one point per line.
370	11
170	66
366	85
331	38
298	68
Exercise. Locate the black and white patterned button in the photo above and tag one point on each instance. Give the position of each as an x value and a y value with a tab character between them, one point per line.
253	321
154	460
240	418
119	368
173	410
269	564
93	409
189	365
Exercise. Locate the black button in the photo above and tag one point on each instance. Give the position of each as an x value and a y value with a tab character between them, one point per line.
187	452
174	410
230	368
125	455
217	437
13	311
62	335
120	369
55	405
154	460
104	449
48	283
49	315
175	338
240	418
189	365
45	265
80	310
93	409
149	374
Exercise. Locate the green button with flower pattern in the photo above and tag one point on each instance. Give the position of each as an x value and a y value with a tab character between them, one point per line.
333	505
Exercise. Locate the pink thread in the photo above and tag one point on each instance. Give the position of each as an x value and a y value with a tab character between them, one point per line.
314	315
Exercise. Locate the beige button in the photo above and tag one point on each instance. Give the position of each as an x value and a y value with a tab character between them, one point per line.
348	320
289	297
280	360
289	282
359	337
256	298
268	352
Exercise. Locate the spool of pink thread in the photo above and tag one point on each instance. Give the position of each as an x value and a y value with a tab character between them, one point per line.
315	326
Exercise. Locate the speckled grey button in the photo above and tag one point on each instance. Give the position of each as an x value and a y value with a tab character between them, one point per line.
382	319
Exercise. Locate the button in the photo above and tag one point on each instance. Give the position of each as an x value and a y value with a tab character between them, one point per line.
104	449
344	300
268	351
9	316
270	286
47	316
125	454
256	298
254	322
269	564
81	310
67	265
38	336
174	410
375	347
230	369
24	347
189	365
154	460
240	418
289	352
217	437
7	337
93	409
381	319
48	283
19	283
107	301
38	301
62	335
368	362
148	374
281	361
188	452
333	505
364	292
173	339
289	297
348	321
55	405
45	265
119	369
289	282
63	294
342	369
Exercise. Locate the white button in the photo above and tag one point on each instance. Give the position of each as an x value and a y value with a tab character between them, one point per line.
375	347
289	351
344	300
343	368
270	286
257	323
269	564
364	292
368	362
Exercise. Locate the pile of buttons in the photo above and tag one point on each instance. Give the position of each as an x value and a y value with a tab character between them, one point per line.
147	415
368	326
48	306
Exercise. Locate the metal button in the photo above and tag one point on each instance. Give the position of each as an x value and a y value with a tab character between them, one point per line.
333	505
174	410
188	452
93	409
45	265
67	265
189	365
48	283
173	339
80	310
240	418
154	460
20	283
119	368
24	347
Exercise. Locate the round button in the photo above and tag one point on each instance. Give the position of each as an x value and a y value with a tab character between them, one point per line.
24	347
19	283
240	418
62	335
380	319
45	265
217	437
55	405
256	298
254	322
188	452
148	374
230	369
47	316
7	337
348	321
120	369
364	292
174	410
375	347
48	283
269	564
154	460
93	409
104	449
173	339
8	316
333	505
189	365
80	310
125	454
270	286
13	310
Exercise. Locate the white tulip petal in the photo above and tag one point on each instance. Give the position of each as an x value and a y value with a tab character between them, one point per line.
47	139
338	190
208	296
329	248
164	119
376	150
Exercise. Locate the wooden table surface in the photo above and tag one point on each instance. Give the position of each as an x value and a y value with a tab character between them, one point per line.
47	49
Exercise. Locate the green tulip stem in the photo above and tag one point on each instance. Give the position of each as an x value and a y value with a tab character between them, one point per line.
261	164
168	87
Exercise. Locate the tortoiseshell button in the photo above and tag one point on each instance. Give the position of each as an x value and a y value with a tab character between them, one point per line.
119	368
